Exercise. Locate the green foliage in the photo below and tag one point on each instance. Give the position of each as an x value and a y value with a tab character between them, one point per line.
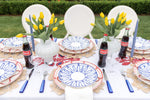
60	7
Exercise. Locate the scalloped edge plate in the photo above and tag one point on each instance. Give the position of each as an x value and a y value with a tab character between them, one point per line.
94	85
136	72
12	78
76	51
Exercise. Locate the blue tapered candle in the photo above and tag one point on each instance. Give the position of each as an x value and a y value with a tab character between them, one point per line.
134	39
32	38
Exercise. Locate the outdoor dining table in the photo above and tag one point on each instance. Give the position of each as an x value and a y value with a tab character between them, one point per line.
120	89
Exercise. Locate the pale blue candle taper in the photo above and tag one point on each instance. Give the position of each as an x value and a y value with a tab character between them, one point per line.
32	38
134	39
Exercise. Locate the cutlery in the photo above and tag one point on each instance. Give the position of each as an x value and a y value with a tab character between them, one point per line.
43	82
127	82
26	82
107	82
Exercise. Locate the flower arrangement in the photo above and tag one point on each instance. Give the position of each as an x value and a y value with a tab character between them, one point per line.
112	26
40	30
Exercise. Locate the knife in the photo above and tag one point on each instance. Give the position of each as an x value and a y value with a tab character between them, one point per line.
26	82
107	82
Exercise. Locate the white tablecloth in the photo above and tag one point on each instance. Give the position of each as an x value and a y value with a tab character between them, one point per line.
117	82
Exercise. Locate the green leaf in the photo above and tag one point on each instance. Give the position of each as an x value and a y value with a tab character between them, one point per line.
100	27
116	32
43	36
35	21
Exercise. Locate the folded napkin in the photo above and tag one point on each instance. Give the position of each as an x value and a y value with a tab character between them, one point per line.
78	94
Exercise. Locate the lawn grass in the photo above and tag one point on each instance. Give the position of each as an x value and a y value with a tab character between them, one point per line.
11	25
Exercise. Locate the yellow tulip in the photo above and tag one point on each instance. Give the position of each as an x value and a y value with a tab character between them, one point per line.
40	26
128	22
106	22
106	19
55	28
55	20
53	15
123	20
27	20
112	21
124	15
102	14
61	22
19	35
92	24
40	20
35	27
119	19
51	21
121	15
33	16
41	15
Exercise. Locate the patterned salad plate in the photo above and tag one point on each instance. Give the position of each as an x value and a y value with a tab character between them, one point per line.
12	45
75	43
142	70
78	74
10	70
90	46
142	46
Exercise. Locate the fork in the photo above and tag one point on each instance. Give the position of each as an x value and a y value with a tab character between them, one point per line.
127	82
43	82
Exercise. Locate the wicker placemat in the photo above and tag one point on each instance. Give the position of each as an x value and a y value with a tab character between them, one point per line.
139	56
138	83
59	91
86	54
14	84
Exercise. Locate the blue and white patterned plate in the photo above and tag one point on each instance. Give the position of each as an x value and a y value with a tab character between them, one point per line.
7	69
144	70
75	43
14	42
141	44
78	75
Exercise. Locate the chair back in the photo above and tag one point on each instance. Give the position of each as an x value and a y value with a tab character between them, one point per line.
131	14
78	19
35	9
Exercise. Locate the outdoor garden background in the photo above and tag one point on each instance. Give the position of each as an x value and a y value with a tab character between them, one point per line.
11	11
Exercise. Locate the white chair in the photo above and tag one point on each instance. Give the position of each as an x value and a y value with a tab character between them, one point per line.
131	14
77	21
35	9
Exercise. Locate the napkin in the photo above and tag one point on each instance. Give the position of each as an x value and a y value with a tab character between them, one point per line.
85	93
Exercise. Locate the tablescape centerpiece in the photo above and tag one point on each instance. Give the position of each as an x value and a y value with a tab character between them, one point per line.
46	48
112	27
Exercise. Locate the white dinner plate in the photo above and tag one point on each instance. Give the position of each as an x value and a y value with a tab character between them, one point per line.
11	73
78	74
91	45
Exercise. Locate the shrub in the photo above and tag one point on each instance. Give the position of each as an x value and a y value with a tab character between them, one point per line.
17	7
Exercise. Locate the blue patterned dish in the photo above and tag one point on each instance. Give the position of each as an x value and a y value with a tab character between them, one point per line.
7	69
141	44
75	43
78	75
144	70
14	42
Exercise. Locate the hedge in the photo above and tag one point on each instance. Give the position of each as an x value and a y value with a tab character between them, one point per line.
17	8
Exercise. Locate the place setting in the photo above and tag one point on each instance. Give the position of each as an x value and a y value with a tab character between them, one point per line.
76	47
